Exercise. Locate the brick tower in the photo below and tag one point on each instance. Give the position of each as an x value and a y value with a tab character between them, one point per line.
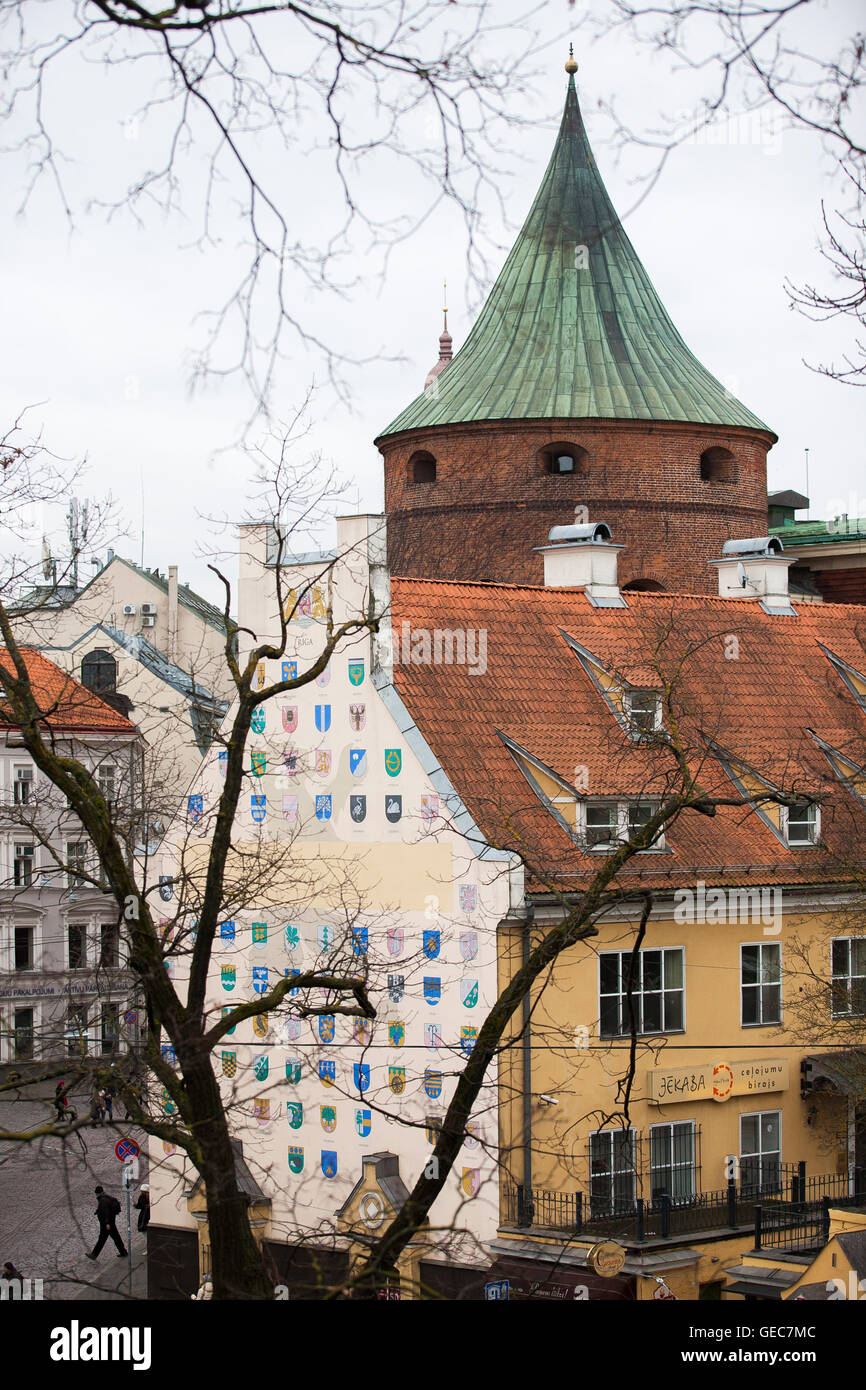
573	389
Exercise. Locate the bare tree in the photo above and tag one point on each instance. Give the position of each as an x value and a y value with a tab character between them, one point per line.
226	99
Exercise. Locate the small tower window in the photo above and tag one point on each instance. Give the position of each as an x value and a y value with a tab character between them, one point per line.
99	672
717	466
564	458
422	468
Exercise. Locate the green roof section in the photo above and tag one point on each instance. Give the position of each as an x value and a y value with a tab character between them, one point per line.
573	327
839	531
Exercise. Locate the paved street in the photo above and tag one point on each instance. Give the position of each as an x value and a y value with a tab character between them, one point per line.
47	1206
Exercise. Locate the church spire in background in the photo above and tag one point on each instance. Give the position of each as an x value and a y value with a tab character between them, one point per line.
445	343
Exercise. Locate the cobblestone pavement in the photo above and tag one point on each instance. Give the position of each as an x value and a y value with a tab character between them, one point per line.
47	1206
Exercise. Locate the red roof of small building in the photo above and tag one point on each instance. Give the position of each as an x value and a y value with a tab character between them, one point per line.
744	681
66	705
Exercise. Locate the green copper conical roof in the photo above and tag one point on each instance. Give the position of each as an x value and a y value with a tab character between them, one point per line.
569	332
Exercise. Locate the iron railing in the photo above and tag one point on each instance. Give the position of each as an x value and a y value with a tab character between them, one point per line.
789	1210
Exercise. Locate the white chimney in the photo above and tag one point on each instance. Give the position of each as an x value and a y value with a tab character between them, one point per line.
583	557
756	569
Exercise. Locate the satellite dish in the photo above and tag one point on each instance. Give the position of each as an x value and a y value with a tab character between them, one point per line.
741	574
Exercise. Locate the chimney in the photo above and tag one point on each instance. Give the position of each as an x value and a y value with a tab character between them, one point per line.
756	569
172	611
583	557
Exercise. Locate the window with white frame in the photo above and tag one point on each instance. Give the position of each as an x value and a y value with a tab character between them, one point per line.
612	1171
657	996
76	940
106	776
23	1034
22	867
644	710
24	947
76	1031
672	1160
22	786
848	985
760	1151
109	945
76	859
109	1033
761	983
604	825
802	823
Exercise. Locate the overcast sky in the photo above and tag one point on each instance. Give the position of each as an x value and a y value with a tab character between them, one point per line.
100	319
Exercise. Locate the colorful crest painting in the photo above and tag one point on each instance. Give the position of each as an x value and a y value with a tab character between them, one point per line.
292	936
289	671
257	720
323	807
468	1037
360	937
260	979
290	808
468	897
261	1110
473	1135
469	944
325	937
260	1067
357	718
471	1181
394	939
228	976
166	887
261	1027
323	718
361	1076
323	678
327	1028
291	1029
433	1083
357	808
429	807
396	1033
296	1158
393	808
294	1114
288	974
329	1163
322	766
328	1115
393	761
432	989
397	1080
260	934
362	1031
432	943
230	1064
227	931
222	761
395	988
226	1009
363	1122
356	673
293	1070
291	762
432	1035
195	808
358	762
469	993
289	716
258	762
327	1072
258	808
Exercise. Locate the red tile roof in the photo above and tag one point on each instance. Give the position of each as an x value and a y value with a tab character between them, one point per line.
758	704
67	705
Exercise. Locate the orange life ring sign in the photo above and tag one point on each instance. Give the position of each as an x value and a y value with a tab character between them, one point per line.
723	1081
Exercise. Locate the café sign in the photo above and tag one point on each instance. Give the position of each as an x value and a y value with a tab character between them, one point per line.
717	1080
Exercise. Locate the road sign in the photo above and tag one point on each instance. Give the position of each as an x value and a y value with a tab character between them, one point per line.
130	1172
126	1148
498	1291
662	1292
130	1017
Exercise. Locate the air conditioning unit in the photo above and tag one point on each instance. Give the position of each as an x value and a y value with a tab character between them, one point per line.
148	621
148	608
129	610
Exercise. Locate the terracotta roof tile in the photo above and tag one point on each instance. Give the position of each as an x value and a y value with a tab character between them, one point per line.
65	703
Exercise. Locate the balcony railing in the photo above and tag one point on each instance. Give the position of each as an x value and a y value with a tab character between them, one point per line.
785	1212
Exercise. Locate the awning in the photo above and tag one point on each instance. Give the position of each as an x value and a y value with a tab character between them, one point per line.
555	1282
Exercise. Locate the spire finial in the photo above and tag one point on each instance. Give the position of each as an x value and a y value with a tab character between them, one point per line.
445	305
571	65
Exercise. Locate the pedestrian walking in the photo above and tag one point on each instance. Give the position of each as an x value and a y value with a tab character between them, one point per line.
97	1108
61	1100
142	1206
107	1212
108	1097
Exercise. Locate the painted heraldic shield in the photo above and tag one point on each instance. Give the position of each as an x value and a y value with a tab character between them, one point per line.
228	975
323	677
363	1122
296	1158
359	940
290	808
258	808
293	1070
195	808
471	1181
469	993
433	1083
396	1033
432	1035
260	1025
361	1076
166	887
260	934
397	1080
230	1064
294	1114
329	1163
327	1072
394	937
358	808
329	1118
261	1110
258	763
327	1028
469	945
260	979
293	937
257	720
323	807
357	717
289	715
467	1040
323	718
432	942
356	672
358	762
432	989
289	671
393	761
323	763
393	808
362	1031
260	1067
395	988
227	931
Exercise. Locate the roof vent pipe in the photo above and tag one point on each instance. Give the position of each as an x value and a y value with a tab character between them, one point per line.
756	569
583	557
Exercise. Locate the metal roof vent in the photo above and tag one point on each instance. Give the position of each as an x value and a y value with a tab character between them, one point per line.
756	545
583	556
756	569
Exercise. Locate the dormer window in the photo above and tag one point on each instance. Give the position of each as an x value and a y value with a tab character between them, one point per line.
601	826
644	711
608	824
802	823
99	672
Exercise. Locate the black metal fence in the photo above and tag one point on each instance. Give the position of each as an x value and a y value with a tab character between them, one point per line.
790	1211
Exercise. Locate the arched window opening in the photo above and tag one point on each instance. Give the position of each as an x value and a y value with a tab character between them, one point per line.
564	459
422	468
643	586
717	466
99	672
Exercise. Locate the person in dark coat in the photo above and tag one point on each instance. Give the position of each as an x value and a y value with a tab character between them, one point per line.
142	1206
107	1212
61	1101
10	1272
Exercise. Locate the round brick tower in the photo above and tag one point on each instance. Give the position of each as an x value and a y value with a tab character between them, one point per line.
573	390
